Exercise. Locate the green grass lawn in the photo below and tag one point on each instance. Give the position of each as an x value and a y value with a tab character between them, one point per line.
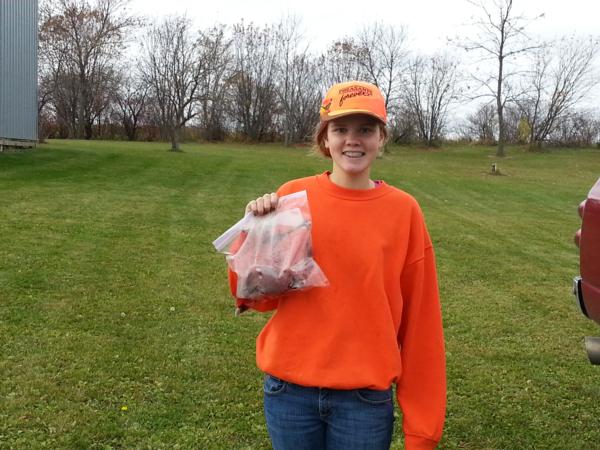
117	328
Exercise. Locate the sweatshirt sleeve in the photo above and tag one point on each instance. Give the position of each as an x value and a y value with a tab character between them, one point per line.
421	390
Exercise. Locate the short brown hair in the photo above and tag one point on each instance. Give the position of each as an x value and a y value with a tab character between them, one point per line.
321	132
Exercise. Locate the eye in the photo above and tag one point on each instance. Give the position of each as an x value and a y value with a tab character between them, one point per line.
367	130
339	129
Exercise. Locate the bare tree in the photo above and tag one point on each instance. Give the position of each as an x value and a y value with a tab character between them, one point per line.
288	48
577	129
215	55
501	38
515	127
403	126
339	63
45	95
428	92
253	80
172	69
130	101
381	52
562	75
481	125
298	83
81	43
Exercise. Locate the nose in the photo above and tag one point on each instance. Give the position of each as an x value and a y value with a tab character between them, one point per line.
352	138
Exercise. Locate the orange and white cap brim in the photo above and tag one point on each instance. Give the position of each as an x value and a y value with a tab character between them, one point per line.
349	112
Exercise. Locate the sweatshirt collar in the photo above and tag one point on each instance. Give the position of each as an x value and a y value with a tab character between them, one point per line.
333	189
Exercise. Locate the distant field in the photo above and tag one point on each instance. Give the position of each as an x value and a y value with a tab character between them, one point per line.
117	328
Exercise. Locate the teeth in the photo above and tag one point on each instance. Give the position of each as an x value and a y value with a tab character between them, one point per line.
353	154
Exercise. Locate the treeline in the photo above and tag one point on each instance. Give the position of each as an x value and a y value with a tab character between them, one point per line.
104	73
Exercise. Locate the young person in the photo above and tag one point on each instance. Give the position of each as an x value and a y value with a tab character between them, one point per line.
331	355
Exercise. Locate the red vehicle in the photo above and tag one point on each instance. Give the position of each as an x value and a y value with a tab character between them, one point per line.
586	287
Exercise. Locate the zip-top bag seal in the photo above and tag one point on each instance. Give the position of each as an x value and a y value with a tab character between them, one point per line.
272	254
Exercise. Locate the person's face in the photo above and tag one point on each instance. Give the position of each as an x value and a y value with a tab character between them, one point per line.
353	142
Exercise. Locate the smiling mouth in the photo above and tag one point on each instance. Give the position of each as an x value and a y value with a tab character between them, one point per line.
353	154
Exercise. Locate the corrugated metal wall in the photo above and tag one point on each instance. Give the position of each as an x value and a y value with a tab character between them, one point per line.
18	69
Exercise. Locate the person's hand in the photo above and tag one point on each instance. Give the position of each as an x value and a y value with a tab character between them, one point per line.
263	205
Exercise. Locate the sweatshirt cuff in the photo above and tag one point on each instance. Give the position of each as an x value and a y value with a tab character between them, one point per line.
412	442
261	305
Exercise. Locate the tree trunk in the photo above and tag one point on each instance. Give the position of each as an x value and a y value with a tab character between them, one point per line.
500	106
88	130
79	126
175	140
500	149
286	136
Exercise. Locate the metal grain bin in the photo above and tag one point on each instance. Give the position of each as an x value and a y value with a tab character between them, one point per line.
18	72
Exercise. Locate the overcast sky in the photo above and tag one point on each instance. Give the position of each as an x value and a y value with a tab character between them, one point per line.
429	22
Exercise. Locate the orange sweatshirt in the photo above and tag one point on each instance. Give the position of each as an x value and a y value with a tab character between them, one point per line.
379	320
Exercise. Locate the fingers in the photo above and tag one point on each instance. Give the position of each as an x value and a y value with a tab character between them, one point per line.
263	205
269	202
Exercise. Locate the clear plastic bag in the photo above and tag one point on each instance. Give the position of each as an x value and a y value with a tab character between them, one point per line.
272	254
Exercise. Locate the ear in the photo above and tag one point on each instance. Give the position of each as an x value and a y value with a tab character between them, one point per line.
382	138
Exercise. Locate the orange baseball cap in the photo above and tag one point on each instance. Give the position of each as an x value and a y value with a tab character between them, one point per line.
353	97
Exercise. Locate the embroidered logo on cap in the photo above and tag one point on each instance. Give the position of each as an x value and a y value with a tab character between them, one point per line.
354	91
326	105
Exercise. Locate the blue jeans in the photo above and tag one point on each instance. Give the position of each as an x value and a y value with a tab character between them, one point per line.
309	418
